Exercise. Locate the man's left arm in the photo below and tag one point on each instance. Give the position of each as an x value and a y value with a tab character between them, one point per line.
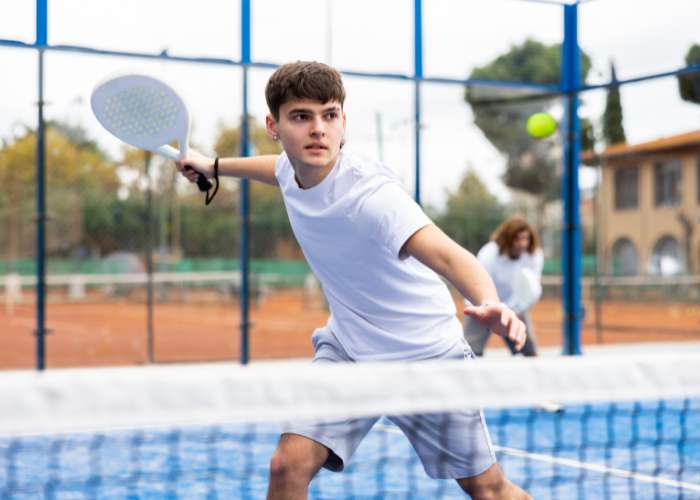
434	249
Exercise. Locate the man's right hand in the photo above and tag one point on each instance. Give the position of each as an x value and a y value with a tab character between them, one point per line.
501	320
198	164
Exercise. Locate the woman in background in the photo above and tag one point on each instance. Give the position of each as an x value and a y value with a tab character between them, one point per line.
514	246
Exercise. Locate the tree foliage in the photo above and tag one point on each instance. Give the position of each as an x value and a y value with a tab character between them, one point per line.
73	165
68	163
271	232
471	213
502	114
613	131
689	83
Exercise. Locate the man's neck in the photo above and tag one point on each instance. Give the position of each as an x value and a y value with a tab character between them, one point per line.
308	177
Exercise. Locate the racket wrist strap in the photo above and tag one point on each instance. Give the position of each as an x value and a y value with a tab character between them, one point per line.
216	179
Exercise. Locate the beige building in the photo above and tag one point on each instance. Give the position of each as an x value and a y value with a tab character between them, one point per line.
649	206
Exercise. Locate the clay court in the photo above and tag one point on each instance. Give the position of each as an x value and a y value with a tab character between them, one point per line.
114	333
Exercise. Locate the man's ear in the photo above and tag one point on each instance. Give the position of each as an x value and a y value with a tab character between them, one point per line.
271	126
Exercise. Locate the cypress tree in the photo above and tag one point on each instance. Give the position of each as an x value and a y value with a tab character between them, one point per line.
613	131
689	83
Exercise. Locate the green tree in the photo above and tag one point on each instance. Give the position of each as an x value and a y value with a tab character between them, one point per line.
75	167
501	115
271	232
189	226
228	140
587	135
471	213
689	83
613	131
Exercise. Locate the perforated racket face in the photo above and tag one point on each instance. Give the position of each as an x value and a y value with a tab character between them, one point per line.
140	109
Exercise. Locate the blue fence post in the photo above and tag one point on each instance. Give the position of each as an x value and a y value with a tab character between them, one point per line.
418	73
244	229
40	217
571	229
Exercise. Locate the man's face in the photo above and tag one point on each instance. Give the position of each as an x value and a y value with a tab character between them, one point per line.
310	131
520	243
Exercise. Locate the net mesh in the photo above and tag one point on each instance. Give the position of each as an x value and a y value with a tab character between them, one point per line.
630	427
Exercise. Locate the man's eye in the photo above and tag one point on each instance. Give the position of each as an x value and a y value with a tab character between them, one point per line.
331	115
299	117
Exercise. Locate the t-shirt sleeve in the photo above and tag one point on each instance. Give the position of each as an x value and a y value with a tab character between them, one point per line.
385	213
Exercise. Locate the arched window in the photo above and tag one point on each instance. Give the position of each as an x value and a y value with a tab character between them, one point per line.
624	260
666	259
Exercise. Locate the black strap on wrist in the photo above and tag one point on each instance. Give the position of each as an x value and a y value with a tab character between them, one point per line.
216	178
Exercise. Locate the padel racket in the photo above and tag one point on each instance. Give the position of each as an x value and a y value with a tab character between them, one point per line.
146	111
526	289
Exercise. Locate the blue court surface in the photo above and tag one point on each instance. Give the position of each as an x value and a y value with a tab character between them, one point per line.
645	451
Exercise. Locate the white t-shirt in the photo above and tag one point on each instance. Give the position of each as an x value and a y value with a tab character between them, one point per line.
351	227
503	269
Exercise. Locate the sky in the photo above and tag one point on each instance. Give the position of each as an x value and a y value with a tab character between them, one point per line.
640	36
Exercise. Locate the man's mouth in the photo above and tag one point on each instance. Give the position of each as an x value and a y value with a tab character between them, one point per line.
316	146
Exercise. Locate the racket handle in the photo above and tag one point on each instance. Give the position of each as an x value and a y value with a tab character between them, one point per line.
203	183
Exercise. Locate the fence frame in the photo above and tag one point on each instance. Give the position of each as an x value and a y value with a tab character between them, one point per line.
569	88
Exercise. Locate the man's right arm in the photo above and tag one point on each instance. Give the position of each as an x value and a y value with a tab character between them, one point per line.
255	168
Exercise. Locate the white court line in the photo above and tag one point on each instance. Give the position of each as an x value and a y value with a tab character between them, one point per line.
581	465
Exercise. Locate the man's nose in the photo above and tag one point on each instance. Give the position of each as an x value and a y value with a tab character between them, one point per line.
317	126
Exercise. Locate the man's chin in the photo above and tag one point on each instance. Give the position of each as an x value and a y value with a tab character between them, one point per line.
316	160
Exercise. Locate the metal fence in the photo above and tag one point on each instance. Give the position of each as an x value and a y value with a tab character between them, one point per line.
105	246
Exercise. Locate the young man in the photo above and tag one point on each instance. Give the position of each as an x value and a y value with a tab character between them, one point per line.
376	255
514	246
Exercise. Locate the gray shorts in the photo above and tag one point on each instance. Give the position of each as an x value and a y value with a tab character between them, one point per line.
477	335
450	445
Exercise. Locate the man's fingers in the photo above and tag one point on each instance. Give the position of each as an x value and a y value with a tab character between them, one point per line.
519	333
189	173
505	317
471	311
478	313
512	327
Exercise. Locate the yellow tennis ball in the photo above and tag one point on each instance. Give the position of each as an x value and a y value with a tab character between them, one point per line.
541	125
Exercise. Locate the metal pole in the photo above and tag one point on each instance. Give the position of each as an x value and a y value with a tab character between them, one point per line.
598	260
244	229
149	255
418	71
244	220
571	230
40	219
417	141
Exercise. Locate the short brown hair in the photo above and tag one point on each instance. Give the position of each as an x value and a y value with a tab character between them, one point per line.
504	235
303	80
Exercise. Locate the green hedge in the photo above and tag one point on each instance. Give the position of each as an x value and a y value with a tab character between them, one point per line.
291	272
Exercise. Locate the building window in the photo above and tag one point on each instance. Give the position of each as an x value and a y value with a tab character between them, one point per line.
666	258
624	261
668	184
626	188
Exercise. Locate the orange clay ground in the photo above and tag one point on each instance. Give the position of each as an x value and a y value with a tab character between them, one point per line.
114	333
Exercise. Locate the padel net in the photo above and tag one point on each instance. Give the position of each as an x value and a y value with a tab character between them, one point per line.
630	427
